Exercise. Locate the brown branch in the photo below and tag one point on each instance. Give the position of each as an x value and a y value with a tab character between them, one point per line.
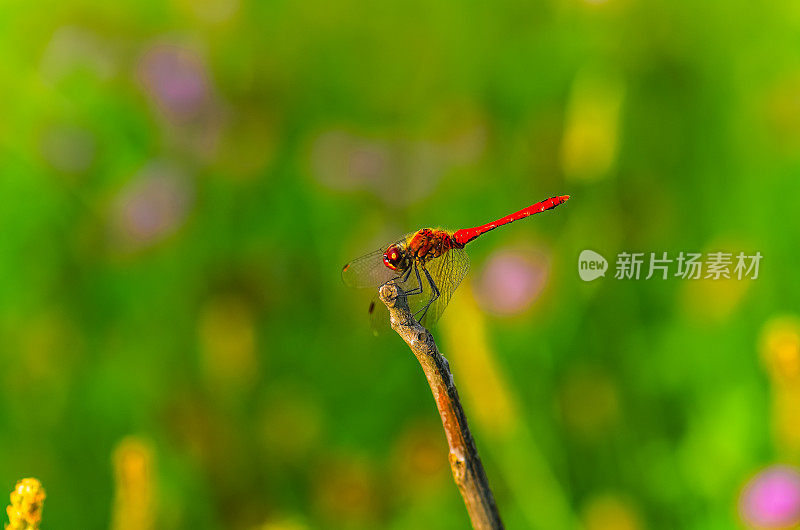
465	463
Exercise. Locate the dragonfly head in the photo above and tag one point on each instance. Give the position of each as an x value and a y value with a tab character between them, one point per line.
394	257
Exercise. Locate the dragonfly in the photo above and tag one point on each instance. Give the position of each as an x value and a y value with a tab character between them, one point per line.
429	264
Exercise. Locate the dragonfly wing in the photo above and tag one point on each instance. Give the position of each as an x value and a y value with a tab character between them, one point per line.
367	271
447	271
378	316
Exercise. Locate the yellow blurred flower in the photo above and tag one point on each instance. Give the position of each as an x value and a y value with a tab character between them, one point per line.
285	523
210	11
710	300
713	301
419	460
133	480
291	425
782	114
589	147
780	352
493	410
589	403
347	492
465	332
25	511
780	349
786	419
228	342
610	512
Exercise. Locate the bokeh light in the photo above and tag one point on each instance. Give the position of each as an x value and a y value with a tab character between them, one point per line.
771	499
418	466
346	489
73	49
780	349
512	280
610	512
589	146
182	182
589	403
228	342
133	479
176	80
398	172
152	206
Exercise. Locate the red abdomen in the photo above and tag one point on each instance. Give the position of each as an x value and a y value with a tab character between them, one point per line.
464	236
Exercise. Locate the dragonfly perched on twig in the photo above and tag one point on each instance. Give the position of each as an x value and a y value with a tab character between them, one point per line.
428	264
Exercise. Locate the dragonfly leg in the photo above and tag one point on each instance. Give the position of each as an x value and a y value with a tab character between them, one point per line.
418	289
434	296
401	278
404	277
414	291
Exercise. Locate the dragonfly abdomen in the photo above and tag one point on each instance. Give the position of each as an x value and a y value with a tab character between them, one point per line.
464	236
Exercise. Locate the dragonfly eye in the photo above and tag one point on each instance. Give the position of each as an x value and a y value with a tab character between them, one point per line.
392	257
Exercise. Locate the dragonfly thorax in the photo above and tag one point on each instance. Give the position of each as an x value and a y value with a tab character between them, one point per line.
430	243
422	246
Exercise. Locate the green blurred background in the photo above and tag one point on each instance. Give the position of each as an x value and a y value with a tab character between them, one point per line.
182	181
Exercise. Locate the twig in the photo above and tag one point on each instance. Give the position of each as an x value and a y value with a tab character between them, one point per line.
465	463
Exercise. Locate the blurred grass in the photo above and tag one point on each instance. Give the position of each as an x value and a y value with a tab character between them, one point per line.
182	181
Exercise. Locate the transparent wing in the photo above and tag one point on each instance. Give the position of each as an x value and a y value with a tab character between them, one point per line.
368	270
447	271
378	316
448	276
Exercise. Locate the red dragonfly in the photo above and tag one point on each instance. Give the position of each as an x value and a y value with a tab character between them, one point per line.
428	264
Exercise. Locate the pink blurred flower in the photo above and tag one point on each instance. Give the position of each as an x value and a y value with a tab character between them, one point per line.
152	206
399	172
343	162
176	79
511	281
771	499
